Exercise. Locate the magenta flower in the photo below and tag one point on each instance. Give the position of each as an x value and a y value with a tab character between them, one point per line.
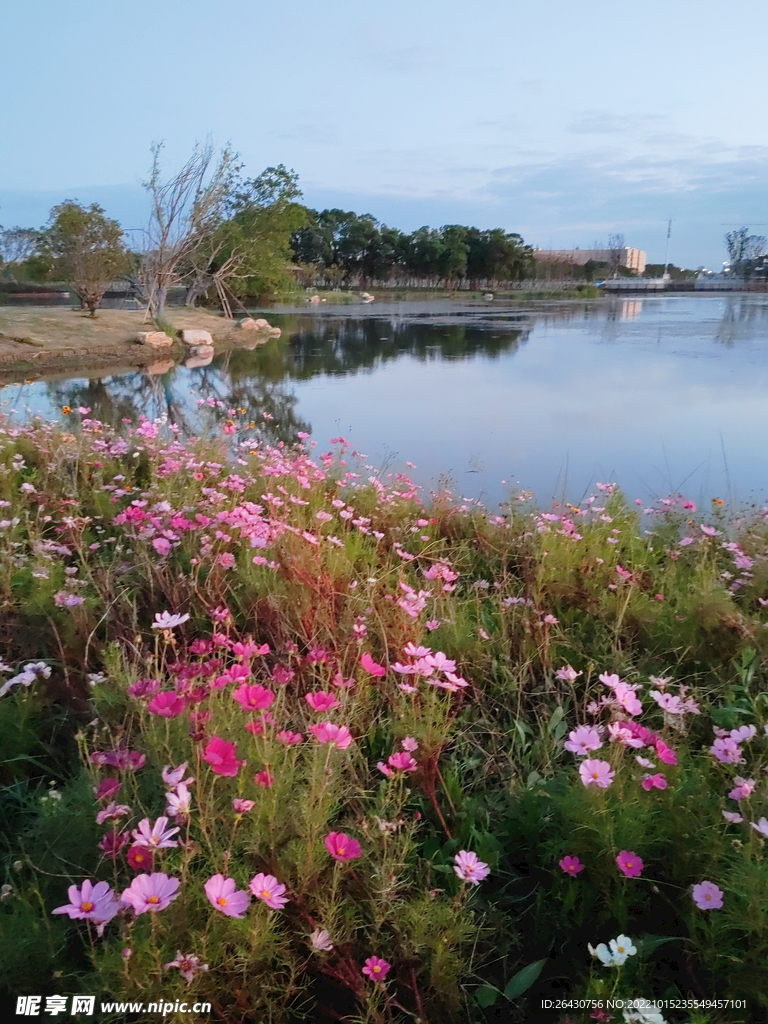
253	698
743	789
151	893
167	704
223	894
401	761
157	836
107	788
666	754
140	857
327	732
656	781
375	968
112	843
571	865
321	701
582	740
629	864
264	778
222	757
596	773
707	896
91	902
469	868
341	846
371	666
268	889
290	739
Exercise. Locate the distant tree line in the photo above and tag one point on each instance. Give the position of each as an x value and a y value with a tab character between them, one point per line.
337	247
747	254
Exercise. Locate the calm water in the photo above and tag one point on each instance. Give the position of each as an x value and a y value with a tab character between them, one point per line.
661	394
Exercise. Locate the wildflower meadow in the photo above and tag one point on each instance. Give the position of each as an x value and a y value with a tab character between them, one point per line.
283	733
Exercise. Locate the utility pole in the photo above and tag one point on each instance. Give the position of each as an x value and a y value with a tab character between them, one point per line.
666	254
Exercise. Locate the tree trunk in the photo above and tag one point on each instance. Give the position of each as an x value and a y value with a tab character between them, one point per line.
160	296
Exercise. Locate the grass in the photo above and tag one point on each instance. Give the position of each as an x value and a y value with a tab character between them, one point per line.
301	575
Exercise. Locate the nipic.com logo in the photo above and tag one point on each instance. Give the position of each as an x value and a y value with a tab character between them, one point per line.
36	1006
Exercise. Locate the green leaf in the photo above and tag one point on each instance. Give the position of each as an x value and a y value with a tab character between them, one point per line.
556	718
523	980
487	995
647	944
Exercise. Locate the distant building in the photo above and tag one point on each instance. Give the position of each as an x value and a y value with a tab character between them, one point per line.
632	259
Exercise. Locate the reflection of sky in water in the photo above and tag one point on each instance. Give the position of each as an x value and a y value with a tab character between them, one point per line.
657	394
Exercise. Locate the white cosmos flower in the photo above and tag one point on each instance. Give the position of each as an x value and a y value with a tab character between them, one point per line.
164	620
615	953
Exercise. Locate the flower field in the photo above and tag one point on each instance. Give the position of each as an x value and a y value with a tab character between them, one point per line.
282	733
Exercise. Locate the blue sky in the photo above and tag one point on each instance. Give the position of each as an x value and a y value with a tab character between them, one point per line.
563	121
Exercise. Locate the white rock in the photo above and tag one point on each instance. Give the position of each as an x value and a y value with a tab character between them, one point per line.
196	337
155	339
249	324
200	355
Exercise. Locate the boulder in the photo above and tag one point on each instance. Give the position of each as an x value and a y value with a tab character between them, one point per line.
249	324
155	339
200	355
193	336
159	368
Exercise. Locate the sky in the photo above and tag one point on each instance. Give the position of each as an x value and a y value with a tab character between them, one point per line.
564	122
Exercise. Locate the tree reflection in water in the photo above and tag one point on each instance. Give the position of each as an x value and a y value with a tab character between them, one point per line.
257	382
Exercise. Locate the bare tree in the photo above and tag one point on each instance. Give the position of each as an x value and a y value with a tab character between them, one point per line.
616	251
187	209
744	249
18	244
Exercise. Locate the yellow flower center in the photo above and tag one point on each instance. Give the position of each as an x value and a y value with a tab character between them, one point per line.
222	901
621	949
376	969
153	899
88	907
265	894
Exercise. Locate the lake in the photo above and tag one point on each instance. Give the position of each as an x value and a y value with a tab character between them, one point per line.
660	394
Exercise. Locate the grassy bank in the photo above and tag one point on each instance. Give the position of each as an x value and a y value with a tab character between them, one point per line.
437	754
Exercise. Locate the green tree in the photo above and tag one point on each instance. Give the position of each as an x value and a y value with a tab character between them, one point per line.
85	248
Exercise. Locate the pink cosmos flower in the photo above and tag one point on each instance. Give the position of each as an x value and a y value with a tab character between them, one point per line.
222	757
178	803
571	865
401	761
157	836
151	893
743	733
167	704
341	847
665	753
91	902
327	732
112	812
596	773
629	864
732	817
188	964
223	894
321	940
106	789
707	896
761	826
321	701
375	968
290	739
580	741
242	806
656	781
644	762
409	744
165	620
264	778
173	776
161	545
268	889
253	698
743	789
726	750
620	732
140	857
626	696
567	674
469	868
112	843
371	666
